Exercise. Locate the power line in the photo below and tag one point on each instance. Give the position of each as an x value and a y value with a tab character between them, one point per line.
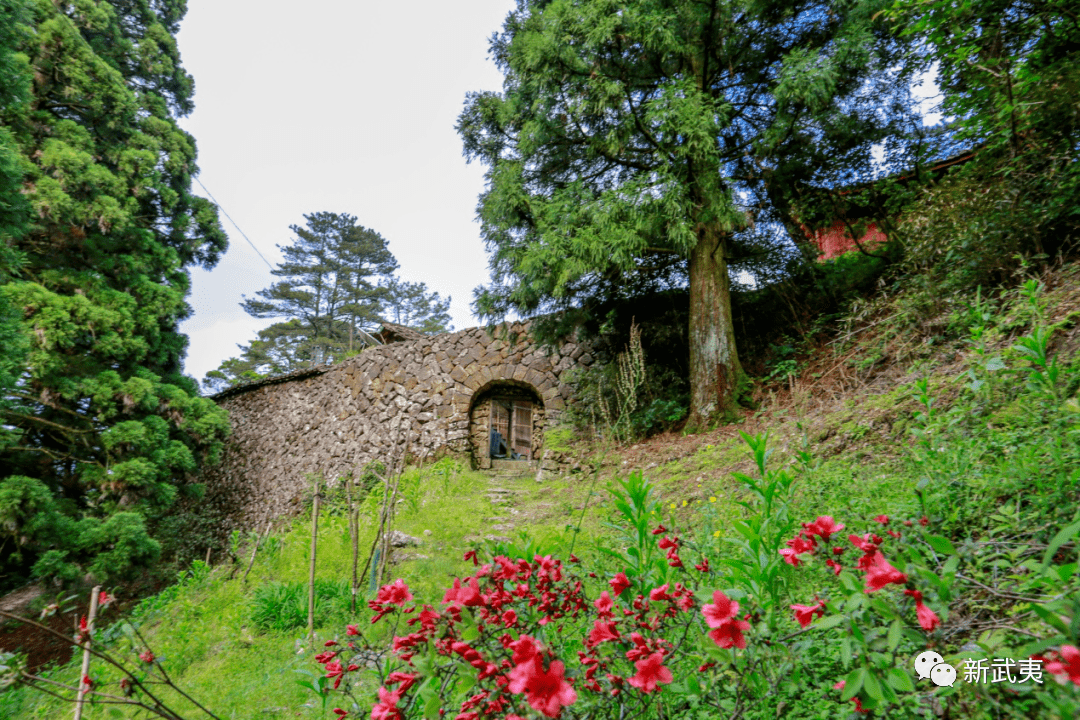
222	209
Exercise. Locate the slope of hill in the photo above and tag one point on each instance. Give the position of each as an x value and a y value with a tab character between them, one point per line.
966	425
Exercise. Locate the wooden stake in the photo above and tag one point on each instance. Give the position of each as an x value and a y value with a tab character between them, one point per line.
207	556
94	595
254	550
311	571
354	537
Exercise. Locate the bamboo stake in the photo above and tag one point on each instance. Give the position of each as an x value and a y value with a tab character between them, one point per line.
354	538
380	536
94	595
207	561
311	571
254	550
390	523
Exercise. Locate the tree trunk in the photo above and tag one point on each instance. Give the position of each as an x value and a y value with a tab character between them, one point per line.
715	371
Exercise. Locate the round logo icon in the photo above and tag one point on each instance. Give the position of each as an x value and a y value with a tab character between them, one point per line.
943	675
925	662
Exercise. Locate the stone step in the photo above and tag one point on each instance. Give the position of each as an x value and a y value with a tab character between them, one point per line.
522	466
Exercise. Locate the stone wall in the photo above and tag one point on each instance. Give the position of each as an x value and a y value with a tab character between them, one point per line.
412	395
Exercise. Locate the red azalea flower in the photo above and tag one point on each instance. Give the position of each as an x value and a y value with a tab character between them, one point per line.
604	604
727	632
723	608
340	713
104	599
836	567
881	573
468	596
546	691
703	566
1064	665
147	657
330	643
352	630
651	673
801	544
396	593
883	519
525	649
928	619
791	557
602	632
824	527
660	593
863	543
574	558
730	634
471	555
509	618
619	583
335	670
804	614
660	529
666	542
87	682
386	708
924	521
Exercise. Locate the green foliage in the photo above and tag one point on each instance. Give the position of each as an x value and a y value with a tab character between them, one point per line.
92	279
411	305
283	607
1010	80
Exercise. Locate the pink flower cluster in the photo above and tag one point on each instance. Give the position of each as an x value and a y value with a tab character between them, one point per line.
814	539
624	647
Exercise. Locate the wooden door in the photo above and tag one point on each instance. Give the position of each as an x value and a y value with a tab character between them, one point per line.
521	439
500	419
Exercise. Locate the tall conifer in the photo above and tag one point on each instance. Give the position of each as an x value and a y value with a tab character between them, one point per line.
102	432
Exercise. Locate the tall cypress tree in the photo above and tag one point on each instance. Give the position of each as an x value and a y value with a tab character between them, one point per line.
632	132
103	429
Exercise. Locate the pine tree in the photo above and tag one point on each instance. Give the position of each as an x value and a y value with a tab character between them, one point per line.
103	432
410	304
328	283
633	133
337	286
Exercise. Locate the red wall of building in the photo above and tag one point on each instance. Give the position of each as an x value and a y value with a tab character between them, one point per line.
835	240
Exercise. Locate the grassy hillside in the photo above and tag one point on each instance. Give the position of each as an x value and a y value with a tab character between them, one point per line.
966	425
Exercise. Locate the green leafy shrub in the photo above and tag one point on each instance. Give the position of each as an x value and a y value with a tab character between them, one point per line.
282	607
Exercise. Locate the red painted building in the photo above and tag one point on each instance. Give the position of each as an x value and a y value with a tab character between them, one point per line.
836	239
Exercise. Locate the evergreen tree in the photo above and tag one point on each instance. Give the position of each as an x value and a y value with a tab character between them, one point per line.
411	305
337	287
631	133
102	431
330	284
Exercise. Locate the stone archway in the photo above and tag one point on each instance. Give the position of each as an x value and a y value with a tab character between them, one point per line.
506	417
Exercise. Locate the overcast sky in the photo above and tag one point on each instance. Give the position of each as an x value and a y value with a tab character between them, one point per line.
335	106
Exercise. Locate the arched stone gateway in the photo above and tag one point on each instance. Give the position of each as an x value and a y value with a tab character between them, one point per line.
506	421
430	394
